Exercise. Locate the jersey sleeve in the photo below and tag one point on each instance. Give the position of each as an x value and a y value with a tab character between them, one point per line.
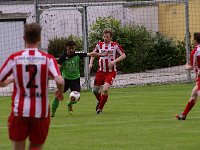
96	49
6	69
62	59
53	67
119	49
81	54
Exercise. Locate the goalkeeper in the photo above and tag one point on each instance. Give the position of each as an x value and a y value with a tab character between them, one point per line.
69	65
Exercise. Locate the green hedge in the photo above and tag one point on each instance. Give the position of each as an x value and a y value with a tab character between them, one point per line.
57	45
144	50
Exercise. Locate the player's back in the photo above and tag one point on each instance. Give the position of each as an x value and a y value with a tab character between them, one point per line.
31	69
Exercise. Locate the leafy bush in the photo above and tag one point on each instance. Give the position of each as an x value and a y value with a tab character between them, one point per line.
144	50
57	45
137	43
166	53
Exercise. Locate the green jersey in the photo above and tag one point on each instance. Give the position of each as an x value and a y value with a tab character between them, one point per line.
70	65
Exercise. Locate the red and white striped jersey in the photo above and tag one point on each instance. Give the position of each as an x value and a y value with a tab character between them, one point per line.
195	59
31	69
113	49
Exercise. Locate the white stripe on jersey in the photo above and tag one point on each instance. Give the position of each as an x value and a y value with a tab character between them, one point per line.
25	74
38	100
30	102
104	64
197	53
16	102
27	103
100	67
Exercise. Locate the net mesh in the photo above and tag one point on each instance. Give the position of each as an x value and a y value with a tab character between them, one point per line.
62	18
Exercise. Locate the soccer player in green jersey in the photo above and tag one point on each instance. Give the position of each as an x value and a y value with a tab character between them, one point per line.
69	65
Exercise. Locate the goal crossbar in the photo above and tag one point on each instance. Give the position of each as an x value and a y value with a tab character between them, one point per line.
125	4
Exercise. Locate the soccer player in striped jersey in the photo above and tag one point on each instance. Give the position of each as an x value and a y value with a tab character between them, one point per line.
194	65
69	64
107	68
31	69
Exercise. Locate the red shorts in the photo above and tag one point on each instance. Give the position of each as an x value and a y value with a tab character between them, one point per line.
36	129
102	77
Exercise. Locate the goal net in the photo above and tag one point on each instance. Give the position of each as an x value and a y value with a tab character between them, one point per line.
155	35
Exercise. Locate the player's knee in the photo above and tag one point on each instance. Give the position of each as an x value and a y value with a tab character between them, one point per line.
95	90
105	92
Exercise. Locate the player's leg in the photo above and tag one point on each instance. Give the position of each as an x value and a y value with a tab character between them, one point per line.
109	78
18	145
35	146
74	85
189	105
55	102
38	132
104	97
97	92
18	131
98	82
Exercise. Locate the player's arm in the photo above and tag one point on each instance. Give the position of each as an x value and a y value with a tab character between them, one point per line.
92	57
95	54
6	82
55	73
120	58
60	83
190	65
6	71
50	77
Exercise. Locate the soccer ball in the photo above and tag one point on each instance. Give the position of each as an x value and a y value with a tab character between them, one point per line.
74	96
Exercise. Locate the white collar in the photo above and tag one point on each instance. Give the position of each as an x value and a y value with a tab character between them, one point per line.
28	49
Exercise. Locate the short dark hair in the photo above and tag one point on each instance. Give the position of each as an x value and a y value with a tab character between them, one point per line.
32	33
70	43
197	37
108	31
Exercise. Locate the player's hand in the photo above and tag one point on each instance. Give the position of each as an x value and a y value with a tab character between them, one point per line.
111	64
59	95
188	67
105	54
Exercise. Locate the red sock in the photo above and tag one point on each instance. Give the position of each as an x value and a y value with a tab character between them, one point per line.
189	106
103	101
98	96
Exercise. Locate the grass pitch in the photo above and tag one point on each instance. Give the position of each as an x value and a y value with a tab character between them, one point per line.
135	118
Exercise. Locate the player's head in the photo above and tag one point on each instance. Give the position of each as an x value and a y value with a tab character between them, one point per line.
196	38
32	33
70	47
107	35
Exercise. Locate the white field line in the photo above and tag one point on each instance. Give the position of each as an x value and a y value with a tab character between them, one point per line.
114	122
